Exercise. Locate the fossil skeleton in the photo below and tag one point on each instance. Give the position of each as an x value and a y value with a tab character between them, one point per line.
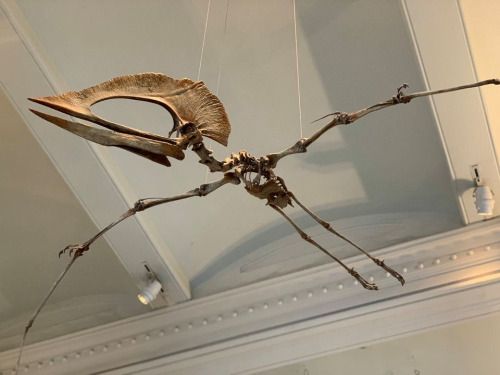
197	113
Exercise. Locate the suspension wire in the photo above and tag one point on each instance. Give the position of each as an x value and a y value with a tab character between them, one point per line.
201	56
204	38
223	48
221	57
297	64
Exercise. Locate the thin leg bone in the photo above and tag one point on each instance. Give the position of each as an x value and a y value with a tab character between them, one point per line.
306	237
141	205
329	228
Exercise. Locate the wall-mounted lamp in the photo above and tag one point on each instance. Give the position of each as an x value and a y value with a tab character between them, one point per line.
149	293
483	194
484	200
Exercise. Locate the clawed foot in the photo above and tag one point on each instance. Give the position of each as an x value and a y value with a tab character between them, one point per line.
363	282
391	271
77	249
400	97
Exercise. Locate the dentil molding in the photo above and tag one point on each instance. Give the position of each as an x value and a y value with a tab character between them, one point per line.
449	277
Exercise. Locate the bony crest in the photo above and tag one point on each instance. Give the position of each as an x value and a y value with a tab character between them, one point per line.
189	103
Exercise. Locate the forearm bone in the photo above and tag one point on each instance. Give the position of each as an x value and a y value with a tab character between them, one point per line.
348	118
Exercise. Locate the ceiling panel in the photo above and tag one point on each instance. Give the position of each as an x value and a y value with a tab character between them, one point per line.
40	215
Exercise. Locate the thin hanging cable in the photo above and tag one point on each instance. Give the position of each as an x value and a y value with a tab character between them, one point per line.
223	49
220	69
297	64
202	51
204	38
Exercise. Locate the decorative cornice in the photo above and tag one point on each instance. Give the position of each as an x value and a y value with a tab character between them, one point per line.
459	261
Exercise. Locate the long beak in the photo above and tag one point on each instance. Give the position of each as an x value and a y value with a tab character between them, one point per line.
70	104
154	150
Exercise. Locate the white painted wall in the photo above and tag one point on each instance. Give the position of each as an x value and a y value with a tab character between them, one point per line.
482	28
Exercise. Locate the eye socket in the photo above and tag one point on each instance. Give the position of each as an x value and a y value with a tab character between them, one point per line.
187	128
134	113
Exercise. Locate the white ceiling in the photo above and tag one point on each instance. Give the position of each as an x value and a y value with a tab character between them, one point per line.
382	181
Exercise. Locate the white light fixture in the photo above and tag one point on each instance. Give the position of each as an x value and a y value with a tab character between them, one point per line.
149	293
484	200
482	193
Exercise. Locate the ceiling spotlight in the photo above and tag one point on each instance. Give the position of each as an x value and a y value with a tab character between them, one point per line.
482	193
484	200
149	293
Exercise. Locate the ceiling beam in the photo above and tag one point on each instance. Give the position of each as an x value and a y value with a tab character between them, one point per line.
443	52
94	178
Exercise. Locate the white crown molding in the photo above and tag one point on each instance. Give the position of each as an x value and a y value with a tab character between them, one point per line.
89	171
450	277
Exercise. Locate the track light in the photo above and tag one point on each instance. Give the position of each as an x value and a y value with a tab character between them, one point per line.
482	193
484	200
149	293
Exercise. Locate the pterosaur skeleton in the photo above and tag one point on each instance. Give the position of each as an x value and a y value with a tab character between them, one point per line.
197	113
